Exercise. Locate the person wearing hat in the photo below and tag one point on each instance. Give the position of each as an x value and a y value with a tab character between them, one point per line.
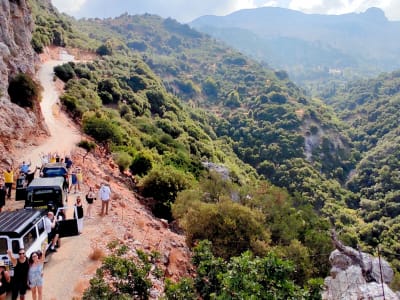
4	280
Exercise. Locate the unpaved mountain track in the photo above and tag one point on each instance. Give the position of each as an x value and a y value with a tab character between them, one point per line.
66	268
69	270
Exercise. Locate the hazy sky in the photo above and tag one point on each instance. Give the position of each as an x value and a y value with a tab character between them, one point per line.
187	10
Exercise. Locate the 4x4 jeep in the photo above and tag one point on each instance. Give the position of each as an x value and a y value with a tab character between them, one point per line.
47	193
55	170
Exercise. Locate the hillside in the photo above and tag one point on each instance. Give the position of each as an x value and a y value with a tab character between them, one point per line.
239	91
371	109
312	48
168	142
223	148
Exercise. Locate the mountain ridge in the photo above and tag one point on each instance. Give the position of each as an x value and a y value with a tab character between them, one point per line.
357	41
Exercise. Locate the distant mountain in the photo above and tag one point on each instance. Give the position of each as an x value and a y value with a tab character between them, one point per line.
311	46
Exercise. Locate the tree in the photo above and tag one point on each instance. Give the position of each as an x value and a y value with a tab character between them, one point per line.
142	163
123	160
163	184
105	49
88	146
102	130
244	276
232	228
210	88
65	72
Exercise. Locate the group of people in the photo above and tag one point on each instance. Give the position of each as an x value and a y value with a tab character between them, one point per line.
56	158
28	273
7	180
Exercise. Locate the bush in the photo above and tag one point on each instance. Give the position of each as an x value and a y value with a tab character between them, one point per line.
104	49
125	279
182	290
23	90
65	72
87	145
123	160
245	276
142	163
102	130
231	227
163	184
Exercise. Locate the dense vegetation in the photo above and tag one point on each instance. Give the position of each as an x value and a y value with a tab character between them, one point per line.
265	118
235	152
370	109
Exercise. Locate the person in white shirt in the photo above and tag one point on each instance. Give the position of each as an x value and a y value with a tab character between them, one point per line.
50	223
104	195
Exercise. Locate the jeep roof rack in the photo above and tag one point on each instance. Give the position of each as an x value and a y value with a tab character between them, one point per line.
14	223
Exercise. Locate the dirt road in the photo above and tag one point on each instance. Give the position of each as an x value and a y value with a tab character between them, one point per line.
63	134
66	267
68	271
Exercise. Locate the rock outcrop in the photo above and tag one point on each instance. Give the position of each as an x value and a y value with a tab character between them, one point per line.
357	275
17	125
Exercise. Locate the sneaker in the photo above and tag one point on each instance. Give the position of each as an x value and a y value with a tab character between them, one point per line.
53	249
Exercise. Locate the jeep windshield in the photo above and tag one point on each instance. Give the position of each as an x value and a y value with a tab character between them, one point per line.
54	172
44	196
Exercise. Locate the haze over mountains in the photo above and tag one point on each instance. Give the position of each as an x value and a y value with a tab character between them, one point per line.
311	47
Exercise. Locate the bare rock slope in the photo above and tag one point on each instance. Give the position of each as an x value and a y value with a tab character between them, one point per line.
17	124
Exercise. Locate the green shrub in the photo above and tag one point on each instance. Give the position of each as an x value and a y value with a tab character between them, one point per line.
246	277
232	228
123	160
102	130
65	72
142	163
182	290
126	279
23	90
163	184
87	145
104	49
99	288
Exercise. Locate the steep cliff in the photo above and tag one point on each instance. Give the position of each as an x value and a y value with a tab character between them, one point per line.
17	125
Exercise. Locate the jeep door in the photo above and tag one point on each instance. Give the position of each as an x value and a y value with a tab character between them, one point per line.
67	221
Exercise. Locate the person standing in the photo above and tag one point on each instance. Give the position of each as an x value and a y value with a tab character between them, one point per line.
90	197
3	193
74	181
68	162
24	169
105	193
9	180
79	178
79	212
35	275
5	280
50	225
19	282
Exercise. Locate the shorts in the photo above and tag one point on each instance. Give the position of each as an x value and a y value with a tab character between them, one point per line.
37	281
50	236
18	288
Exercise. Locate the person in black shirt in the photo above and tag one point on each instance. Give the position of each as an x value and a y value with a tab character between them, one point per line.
3	193
79	212
19	282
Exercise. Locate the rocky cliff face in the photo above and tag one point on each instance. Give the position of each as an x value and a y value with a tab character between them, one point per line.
17	125
357	275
